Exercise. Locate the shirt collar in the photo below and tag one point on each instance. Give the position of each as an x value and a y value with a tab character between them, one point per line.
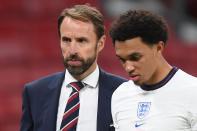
91	79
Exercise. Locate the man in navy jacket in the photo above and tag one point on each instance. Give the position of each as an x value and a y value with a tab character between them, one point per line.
81	32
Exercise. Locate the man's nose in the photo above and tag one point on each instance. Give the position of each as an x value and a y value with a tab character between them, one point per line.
73	48
129	66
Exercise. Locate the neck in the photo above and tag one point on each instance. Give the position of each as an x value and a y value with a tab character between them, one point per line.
162	70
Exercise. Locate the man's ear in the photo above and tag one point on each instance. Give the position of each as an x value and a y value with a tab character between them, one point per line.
101	43
160	46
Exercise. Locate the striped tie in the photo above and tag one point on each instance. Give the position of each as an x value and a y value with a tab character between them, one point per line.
71	113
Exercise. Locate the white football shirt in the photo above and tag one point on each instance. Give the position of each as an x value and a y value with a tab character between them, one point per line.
171	106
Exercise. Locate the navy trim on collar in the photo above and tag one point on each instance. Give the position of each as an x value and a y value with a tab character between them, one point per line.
161	83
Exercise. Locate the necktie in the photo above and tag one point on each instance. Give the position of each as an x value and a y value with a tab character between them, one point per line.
71	113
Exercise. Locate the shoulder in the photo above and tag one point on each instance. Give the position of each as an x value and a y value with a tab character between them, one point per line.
124	89
184	87
126	93
187	90
46	80
185	78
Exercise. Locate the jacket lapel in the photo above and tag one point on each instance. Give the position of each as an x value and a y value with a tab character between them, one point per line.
54	89
104	103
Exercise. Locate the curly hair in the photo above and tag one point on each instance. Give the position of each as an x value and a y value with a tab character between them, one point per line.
151	27
84	13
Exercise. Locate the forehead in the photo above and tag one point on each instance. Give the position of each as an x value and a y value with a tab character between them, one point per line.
73	27
127	47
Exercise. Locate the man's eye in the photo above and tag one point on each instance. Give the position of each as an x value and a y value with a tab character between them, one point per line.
65	39
135	58
122	60
81	40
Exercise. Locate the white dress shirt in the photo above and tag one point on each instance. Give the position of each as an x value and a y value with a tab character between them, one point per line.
87	120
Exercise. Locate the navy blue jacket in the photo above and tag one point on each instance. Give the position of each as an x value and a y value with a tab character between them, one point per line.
41	98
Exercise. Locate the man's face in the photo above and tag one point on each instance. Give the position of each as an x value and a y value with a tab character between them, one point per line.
138	60
79	46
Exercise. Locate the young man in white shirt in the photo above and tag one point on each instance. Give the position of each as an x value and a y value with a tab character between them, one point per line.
45	101
158	97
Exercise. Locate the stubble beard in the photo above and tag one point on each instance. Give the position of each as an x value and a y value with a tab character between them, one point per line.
79	70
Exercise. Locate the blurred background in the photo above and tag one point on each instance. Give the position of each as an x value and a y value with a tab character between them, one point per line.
29	44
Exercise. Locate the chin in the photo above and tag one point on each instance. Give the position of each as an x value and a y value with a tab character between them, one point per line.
138	83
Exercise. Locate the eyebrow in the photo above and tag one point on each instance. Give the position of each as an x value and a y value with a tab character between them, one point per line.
119	56
134	54
84	38
65	37
80	37
131	55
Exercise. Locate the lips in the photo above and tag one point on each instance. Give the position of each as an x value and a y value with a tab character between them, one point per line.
74	62
134	77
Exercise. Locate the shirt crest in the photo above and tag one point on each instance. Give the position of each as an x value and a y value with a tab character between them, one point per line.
143	109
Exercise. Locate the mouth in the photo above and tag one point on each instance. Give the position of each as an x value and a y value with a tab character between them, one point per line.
74	62
134	77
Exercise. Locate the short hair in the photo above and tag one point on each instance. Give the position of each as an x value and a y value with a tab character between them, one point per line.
151	27
84	13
